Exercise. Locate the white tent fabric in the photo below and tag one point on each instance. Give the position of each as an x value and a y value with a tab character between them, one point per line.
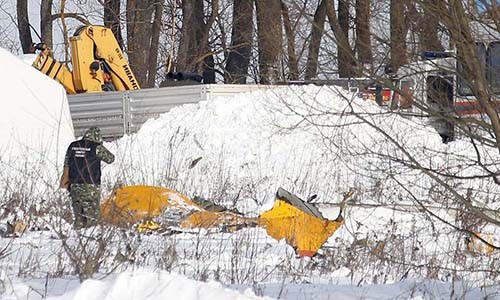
35	116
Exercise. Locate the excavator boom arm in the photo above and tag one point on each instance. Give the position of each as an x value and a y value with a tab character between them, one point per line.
46	64
98	63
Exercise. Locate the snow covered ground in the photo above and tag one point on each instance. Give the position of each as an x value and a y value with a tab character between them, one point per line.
308	140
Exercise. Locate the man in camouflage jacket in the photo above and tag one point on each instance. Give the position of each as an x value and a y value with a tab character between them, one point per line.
82	176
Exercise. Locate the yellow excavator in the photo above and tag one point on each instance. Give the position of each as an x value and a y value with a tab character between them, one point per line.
296	221
97	60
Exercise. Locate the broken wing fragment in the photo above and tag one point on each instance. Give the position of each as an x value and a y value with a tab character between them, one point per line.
132	204
301	224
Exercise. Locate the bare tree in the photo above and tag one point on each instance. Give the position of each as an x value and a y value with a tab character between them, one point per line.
194	53
428	27
363	36
345	53
398	34
46	20
238	57
293	67
23	26
192	16
269	36
456	90
345	56
441	87
317	28
459	26
142	38
112	19
154	46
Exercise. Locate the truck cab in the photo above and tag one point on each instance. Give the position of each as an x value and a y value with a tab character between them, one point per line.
434	88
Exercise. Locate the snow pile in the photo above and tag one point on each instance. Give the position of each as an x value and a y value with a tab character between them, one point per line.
131	285
307	139
36	125
153	285
149	285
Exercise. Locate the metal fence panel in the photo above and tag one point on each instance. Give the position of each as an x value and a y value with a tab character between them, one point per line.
104	110
215	90
119	113
150	103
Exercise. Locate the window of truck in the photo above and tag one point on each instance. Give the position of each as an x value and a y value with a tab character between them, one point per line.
494	67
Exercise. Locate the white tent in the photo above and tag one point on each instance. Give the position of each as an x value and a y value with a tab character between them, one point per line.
35	121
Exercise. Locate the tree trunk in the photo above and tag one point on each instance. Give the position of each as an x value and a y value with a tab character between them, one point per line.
458	24
428	25
398	46
317	29
191	44
344	50
241	42
347	63
46	22
140	39
112	19
207	67
23	26
269	38
293	66
188	33
363	36
155	43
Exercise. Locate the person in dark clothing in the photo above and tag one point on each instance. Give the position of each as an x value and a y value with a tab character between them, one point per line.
82	176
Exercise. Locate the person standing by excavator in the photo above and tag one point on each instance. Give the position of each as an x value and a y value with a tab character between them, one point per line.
82	176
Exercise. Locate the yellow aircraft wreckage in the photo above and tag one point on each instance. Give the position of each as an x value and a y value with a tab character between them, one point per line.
300	223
